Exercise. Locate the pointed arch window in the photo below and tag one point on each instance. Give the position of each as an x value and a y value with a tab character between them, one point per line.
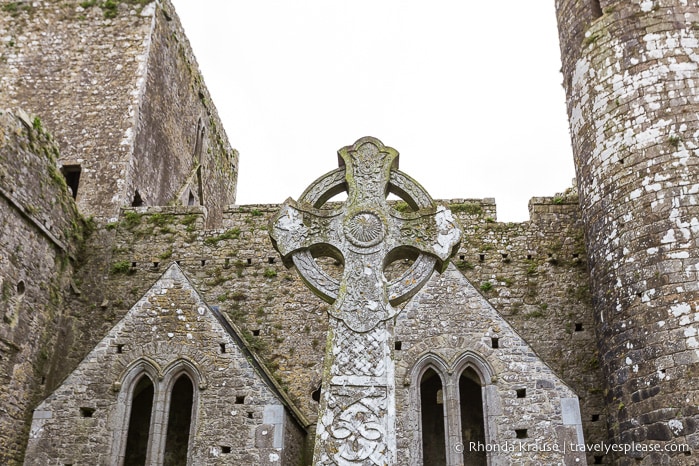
432	418
138	433
179	422
451	402
472	419
159	414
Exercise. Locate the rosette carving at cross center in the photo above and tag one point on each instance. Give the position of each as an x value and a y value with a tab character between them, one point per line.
364	233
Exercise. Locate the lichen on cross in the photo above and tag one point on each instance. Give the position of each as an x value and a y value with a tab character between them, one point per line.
357	413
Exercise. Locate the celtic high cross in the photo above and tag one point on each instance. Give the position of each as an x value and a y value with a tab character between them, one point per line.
356	422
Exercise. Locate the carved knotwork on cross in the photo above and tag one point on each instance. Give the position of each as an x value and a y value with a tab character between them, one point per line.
365	234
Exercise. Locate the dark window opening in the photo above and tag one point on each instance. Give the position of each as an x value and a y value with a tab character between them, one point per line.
521	433
200	187
578	326
504	255
249	261
21	288
472	425
87	412
227	263
596	9
239	400
225	450
598	459
521	392
432	410
270	260
249	414
315	396
137	200
399	345
133	265
43	380
481	257
222	347
178	422
139	423
71	173
529	257
156	265
495	342
595	418
462	257
203	262
255	333
191	200
198	144
120	348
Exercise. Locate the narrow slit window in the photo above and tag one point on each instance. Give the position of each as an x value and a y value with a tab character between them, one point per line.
71	173
596	9
315	396
137	199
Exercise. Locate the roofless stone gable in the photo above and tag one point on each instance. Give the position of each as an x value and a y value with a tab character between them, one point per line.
238	414
450	327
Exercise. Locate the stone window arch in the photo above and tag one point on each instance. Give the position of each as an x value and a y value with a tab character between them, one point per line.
171	419
473	379
466	394
128	386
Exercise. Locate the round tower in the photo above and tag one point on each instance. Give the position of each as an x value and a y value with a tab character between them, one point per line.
631	77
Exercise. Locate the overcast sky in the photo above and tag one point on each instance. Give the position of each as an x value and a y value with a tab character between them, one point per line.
469	93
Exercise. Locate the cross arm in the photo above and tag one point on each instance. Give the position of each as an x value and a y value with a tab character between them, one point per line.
431	231
298	226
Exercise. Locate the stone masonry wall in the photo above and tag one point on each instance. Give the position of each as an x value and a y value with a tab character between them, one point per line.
180	146
237	416
540	286
40	230
118	86
79	72
631	76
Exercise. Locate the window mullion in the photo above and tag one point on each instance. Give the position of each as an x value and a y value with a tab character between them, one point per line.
158	426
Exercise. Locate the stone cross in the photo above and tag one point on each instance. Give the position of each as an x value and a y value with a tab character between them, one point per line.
356	422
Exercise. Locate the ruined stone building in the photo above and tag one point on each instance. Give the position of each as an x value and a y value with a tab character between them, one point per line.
148	319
